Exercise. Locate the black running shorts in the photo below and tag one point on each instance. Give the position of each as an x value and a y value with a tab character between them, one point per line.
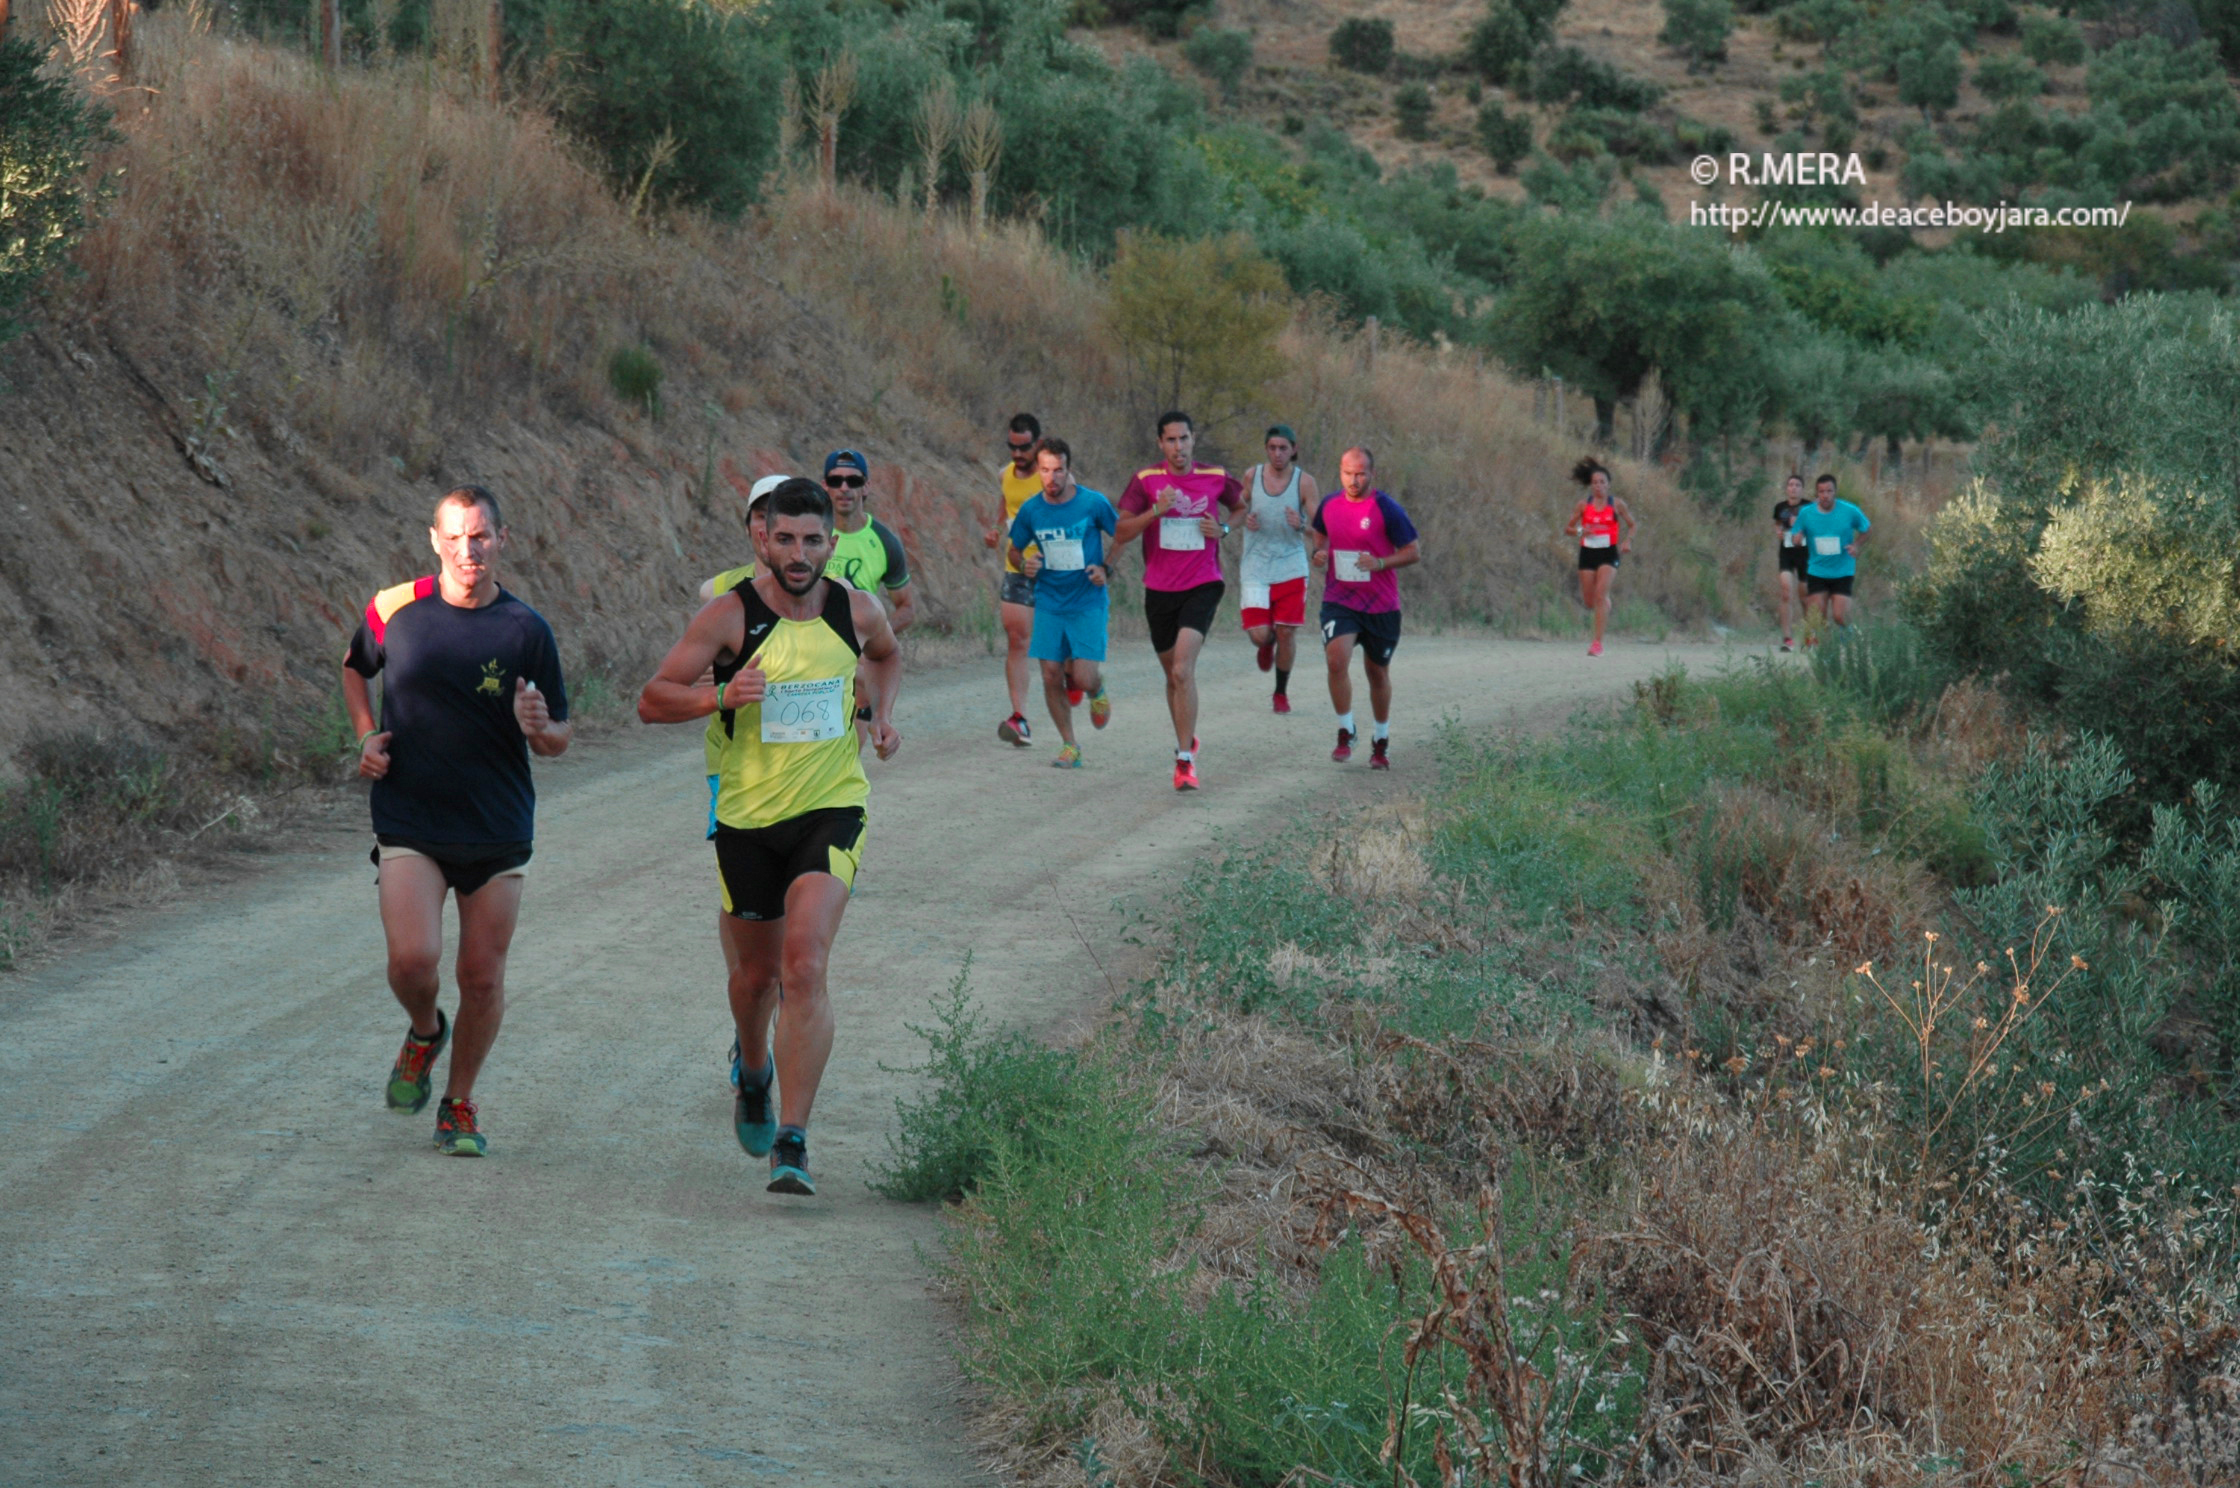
1814	584
1591	558
466	866
1376	632
759	864
1016	589
1794	558
1169	612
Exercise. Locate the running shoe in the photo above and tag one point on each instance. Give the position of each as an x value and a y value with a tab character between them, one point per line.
789	1163
753	1121
1595	649
411	1077
1283	704
1267	656
457	1132
1074	695
1014	730
1100	709
1344	751
1785	644
1378	760
1069	758
1185	775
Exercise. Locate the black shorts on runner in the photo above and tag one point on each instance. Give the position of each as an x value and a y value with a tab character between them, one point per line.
1378	632
1814	584
759	864
1591	558
1793	559
1170	612
466	866
1016	589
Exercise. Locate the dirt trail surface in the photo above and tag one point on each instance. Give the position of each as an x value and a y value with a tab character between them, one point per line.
225	1262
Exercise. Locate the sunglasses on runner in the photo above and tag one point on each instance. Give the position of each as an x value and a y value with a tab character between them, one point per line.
1017	448
850	481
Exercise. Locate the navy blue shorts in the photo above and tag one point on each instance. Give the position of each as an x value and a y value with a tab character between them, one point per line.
1377	633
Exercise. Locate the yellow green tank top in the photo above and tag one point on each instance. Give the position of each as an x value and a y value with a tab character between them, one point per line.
795	751
713	738
1018	490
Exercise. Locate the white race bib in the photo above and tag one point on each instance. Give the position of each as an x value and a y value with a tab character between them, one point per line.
1346	566
803	712
1828	546
1594	540
1061	554
1258	596
1181	534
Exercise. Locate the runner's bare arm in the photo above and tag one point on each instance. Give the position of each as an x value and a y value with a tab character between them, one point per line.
546	738
903	604
1131	526
1310	497
993	537
1398	558
676	694
1318	547
373	743
1625	515
1029	564
881	668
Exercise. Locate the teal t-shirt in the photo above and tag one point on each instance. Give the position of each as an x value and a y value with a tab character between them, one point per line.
1071	537
1825	533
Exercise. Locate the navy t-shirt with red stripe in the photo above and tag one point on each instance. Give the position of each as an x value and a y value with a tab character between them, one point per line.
458	764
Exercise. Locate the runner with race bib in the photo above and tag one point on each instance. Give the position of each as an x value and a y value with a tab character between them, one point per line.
1831	532
1360	536
1605	530
790	798
1273	570
1058	541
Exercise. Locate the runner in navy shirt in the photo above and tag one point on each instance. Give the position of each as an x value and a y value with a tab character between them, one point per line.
471	685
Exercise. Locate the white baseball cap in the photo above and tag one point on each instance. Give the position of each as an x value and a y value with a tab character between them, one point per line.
763	488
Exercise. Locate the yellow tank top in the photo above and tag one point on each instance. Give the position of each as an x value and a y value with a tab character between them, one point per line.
1017	489
713	738
795	751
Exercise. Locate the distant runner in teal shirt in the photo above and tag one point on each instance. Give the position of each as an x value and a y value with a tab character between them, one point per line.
1058	540
1832	531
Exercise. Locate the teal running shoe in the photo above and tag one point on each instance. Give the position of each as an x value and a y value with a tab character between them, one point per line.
412	1077
459	1129
754	1116
789	1163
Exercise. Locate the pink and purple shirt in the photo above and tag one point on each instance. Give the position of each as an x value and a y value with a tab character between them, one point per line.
1197	495
1374	526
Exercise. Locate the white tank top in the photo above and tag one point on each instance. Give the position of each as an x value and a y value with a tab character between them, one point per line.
1275	554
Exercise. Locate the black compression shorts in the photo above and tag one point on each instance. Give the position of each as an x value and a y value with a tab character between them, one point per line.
1169	612
1597	558
1376	632
759	864
1814	584
466	866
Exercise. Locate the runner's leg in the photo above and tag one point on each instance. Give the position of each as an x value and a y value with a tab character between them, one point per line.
1787	582
1339	654
814	906
1259	635
486	920
1601	583
1287	646
1839	606
1380	689
752	950
1018	625
411	896
1054	694
1181	666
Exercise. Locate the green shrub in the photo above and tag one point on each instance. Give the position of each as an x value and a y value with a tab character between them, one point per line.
1506	137
635	375
1886	669
1566	74
1929	77
1500	46
1412	106
1698	29
47	132
679	96
1362	44
1224	56
2004	77
2052	40
988	1095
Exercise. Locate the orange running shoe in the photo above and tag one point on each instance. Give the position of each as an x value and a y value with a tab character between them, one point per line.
1185	775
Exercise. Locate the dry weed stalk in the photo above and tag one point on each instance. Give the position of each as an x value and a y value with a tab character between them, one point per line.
982	147
829	97
937	125
1942	994
79	26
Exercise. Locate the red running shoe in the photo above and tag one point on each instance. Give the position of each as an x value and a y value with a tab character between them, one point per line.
1283	704
1378	760
1185	775
1344	751
1267	656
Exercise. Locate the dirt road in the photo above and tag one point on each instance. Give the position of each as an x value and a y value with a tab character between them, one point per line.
224	1262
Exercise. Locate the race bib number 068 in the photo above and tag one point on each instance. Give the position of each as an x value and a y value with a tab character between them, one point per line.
803	712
